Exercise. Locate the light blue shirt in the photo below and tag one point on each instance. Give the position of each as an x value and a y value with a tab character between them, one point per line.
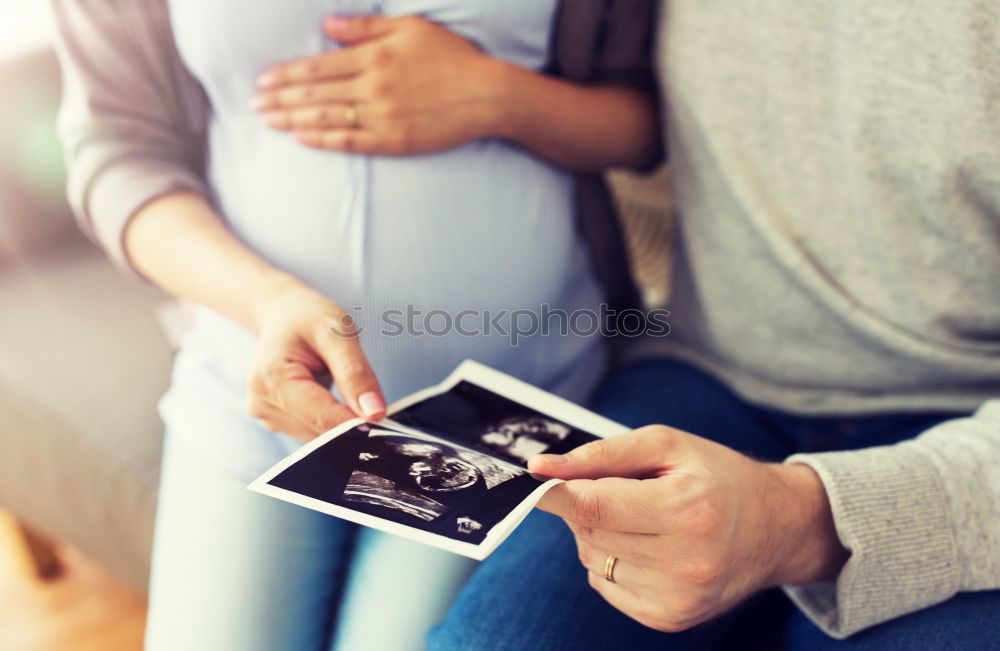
486	226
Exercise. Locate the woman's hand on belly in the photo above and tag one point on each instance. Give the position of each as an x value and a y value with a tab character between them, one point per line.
302	337
404	85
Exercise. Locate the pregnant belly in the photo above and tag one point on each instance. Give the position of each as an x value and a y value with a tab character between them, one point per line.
482	226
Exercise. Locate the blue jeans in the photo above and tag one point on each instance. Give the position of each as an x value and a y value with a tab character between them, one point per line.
237	571
533	593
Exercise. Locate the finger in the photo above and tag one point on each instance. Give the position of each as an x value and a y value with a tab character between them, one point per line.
624	572
358	28
281	423
619	596
290	385
313	118
355	141
639	453
639	547
305	94
330	65
627	505
311	404
351	372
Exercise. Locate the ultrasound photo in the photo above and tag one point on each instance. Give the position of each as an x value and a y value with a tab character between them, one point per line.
474	416
447	467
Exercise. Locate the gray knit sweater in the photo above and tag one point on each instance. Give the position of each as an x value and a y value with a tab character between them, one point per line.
836	168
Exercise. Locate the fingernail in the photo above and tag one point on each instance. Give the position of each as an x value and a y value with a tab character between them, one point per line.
371	403
551	459
266	79
335	23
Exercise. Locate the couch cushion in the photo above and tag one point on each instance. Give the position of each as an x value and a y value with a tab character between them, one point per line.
82	364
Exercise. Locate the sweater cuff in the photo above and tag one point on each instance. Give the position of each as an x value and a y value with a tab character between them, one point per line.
890	512
119	191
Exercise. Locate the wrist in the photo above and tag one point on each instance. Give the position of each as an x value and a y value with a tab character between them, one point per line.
807	547
506	105
271	286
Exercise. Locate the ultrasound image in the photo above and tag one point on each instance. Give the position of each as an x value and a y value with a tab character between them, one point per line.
475	417
426	483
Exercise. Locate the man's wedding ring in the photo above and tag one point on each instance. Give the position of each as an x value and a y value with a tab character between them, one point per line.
609	568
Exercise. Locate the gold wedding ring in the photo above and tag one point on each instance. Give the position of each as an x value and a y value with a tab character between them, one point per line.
351	116
609	568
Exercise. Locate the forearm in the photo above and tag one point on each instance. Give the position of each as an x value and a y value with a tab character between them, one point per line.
180	244
580	127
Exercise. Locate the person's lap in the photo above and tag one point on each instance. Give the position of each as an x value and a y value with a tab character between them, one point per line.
233	569
532	593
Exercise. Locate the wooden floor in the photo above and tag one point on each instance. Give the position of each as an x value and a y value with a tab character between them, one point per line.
83	609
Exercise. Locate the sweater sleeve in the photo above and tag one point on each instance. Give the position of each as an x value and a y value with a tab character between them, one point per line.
129	116
921	520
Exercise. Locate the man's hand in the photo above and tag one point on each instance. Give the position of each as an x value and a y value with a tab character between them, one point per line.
400	86
696	526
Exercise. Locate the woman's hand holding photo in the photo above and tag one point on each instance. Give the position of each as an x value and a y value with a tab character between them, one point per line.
303	337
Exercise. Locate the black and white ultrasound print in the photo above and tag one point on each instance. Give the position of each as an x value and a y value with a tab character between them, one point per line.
447	467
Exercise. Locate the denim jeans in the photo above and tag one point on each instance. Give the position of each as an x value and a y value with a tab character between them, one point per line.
237	571
532	592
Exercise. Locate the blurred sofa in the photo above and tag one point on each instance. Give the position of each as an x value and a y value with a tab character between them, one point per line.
82	358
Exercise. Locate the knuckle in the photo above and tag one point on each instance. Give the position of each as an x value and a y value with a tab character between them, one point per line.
588	508
380	88
400	141
702	571
318	425
382	55
598	452
407	138
257	384
347	142
301	119
390	111
353	370
666	437
256	408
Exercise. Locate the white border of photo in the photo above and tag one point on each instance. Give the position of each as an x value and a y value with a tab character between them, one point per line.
469	371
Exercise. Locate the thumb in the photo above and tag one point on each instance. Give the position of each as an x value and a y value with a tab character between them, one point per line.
355	30
637	454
